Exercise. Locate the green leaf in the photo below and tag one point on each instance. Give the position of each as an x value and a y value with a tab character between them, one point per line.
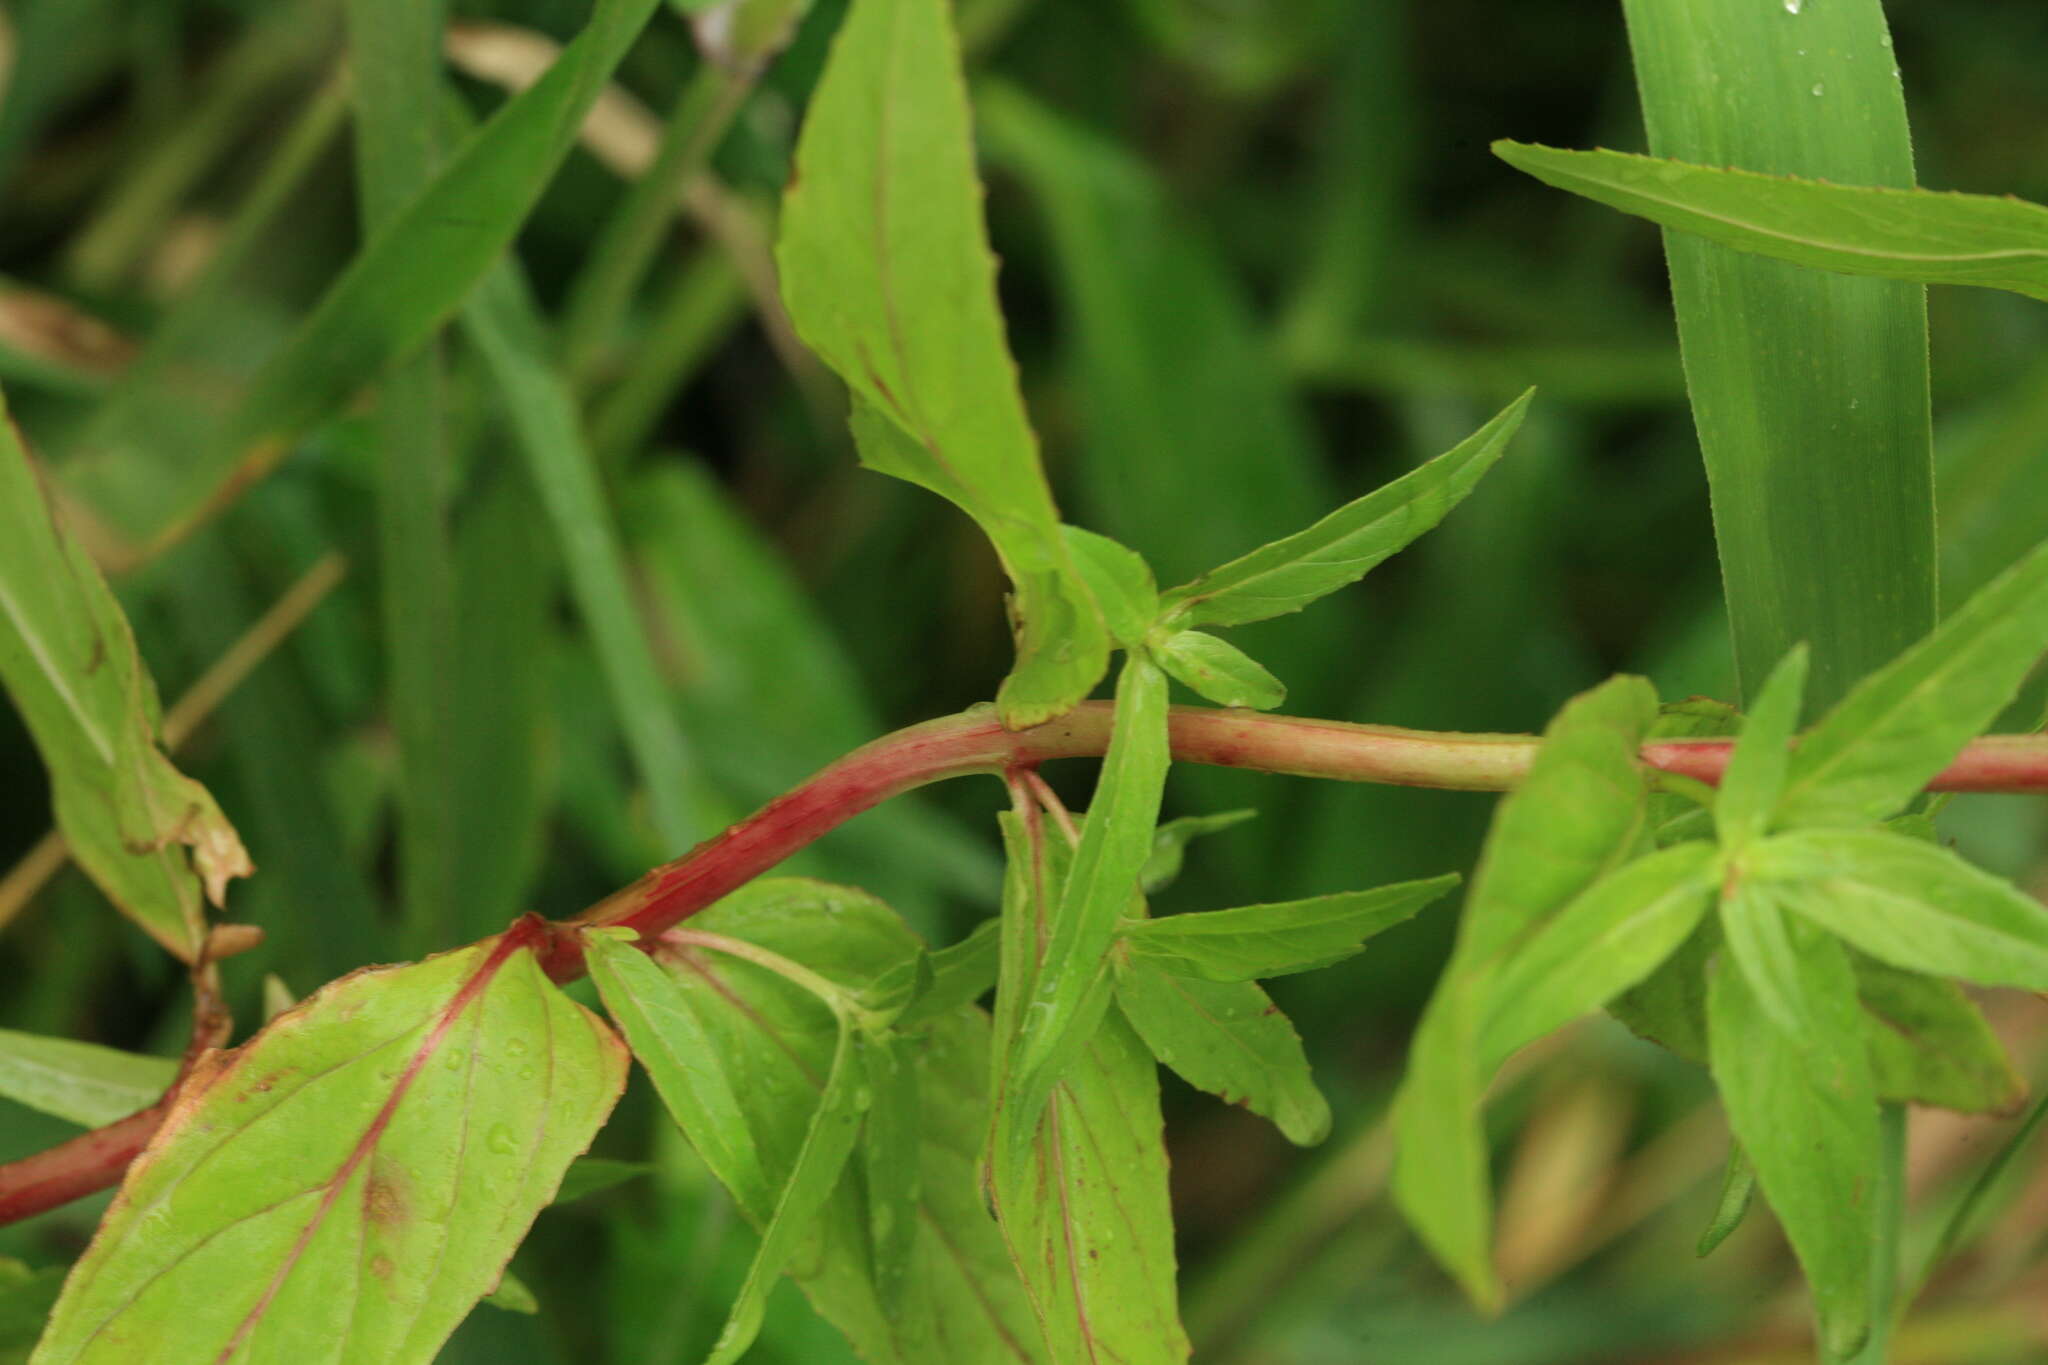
963	1299
889	1157
1895	234
1602	943
1087	1216
1759	940
689	1072
405	283
828	1142
1930	1044
1803	1107
1669	1007
588	1175
1116	840
1913	904
1273	940
351	1181
960	975
1344	546
1170	845
146	834
1755	776
1580	813
1219	670
1898	727
1121	581
26	1297
1228	1038
1738	1189
909	320
513	1295
84	1083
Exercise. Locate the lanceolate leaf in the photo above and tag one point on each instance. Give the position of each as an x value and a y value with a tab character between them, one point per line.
1580	813
1930	1044
1219	670
147	835
1756	770
1116	840
349	1183
961	1298
1913	904
1899	726
1273	940
1604	942
1087	1215
1121	581
1343	547
1758	939
1803	1107
1170	844
83	1082
888	277
1935	238
961	975
1228	1038
689	1071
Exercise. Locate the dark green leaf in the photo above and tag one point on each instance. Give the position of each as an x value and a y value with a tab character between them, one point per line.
1219	670
1913	904
1170	845
1996	241
1343	547
960	975
1930	1044
26	1297
1803	1107
1898	727
1738	1188
588	1175
908	319
1669	1008
313	1190
889	1159
1228	1038
1272	940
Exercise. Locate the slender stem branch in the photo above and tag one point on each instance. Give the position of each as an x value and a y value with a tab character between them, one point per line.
975	742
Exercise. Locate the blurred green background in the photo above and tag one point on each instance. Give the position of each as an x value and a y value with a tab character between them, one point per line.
1256	260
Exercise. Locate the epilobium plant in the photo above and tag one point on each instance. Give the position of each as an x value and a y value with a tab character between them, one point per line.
956	1184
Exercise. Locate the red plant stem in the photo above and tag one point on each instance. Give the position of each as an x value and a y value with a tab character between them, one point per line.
975	742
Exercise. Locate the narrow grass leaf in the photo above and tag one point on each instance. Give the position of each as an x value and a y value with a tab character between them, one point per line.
1219	670
1930	1043
1755	776
828	1142
909	320
1897	234
689	1072
1916	905
83	1083
1170	845
1121	581
962	1298
1116	839
149	837
1228	1038
1603	942
1255	941
1343	547
351	1181
1898	727
1803	1107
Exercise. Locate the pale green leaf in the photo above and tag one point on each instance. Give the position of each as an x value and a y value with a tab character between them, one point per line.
1228	1038
1219	670
1440	1168
887	274
1898	727
1757	936
1755	776
689	1072
1344	546
1603	942
82	1082
351	1181
1913	904
147	835
1996	241
1121	582
1803	1107
1170	845
1273	940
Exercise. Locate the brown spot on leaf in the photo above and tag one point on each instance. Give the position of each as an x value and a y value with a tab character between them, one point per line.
383	1202
381	1267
